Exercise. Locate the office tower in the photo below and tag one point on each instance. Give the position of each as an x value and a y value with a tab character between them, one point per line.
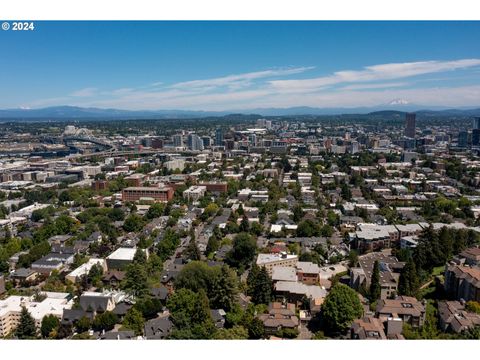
463	139
353	148
207	141
157	143
410	125
252	139
476	137
195	142
476	131
476	123
261	123
177	140
409	143
219	137
147	142
229	144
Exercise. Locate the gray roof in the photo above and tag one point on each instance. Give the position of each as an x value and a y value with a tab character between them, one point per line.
118	335
158	328
94	303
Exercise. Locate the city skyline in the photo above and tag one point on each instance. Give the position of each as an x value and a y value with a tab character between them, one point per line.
240	65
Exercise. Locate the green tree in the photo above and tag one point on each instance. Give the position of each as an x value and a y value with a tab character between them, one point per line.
375	287
116	214
95	274
256	329
136	280
190	314
298	213
83	324
256	228
50	324
262	291
148	306
340	308
133	223
244	225
237	332
243	251
140	257
168	244
308	228
408	283
473	306
192	252
220	283
223	289
26	328
352	258
105	321
155	210
210	210
134	321
252	279
212	245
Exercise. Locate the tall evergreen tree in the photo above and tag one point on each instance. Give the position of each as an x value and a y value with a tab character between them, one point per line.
262	293
425	254
252	279
223	289
244	224
408	283
140	257
49	324
192	252
136	280
212	245
26	328
375	287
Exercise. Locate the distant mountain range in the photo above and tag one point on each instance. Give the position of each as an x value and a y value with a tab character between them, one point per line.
75	112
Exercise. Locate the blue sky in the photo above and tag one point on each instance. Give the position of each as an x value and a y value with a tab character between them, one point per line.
240	65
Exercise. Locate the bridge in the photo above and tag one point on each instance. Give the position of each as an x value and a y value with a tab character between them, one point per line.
90	139
143	152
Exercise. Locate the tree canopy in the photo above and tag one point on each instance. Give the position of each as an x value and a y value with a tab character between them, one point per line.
340	308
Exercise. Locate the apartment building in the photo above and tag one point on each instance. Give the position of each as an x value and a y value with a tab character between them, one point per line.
11	308
407	308
269	261
194	193
463	282
157	194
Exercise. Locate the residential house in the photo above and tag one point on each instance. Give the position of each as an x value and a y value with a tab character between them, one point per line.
158	328
97	302
462	282
279	317
407	308
113	278
367	328
390	268
454	318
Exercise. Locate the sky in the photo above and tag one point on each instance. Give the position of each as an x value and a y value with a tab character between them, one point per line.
240	65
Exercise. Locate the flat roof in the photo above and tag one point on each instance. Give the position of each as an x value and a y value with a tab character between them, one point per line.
123	254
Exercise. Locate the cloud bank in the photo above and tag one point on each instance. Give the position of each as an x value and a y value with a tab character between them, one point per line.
286	87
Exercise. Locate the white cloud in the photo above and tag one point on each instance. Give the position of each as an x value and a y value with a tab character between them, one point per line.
85	92
373	85
376	73
239	80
